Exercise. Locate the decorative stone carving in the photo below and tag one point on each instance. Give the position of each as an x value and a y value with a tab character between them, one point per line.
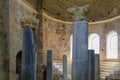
31	21
79	13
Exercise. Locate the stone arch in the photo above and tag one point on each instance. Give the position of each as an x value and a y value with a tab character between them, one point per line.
19	64
112	45
94	42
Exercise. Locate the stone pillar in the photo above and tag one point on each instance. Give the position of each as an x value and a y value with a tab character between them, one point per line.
29	56
97	67
80	43
34	54
65	69
49	75
91	60
80	51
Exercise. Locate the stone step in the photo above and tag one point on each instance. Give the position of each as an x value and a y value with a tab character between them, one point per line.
114	75
107	68
58	67
110	69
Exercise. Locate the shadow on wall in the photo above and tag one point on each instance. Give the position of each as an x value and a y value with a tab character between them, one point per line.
18	65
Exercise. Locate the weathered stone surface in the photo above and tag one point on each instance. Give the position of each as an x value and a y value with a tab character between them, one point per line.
56	36
100	9
18	9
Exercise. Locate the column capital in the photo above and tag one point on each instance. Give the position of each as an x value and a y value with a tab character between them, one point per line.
79	13
30	20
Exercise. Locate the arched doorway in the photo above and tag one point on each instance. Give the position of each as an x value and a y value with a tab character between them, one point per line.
19	65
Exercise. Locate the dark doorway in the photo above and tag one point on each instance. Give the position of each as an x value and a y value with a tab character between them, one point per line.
19	65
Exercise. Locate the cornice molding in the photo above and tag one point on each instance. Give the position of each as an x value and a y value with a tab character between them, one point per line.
68	22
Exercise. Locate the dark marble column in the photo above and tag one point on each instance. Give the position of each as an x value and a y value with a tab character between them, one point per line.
29	54
91	71
65	69
97	67
49	75
80	51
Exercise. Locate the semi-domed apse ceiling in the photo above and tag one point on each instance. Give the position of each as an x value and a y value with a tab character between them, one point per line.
99	9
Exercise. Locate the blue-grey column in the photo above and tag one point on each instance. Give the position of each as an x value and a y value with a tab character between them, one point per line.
34	53
65	69
91	60
80	51
97	67
49	74
29	55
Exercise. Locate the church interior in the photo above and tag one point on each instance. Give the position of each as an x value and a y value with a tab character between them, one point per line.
60	40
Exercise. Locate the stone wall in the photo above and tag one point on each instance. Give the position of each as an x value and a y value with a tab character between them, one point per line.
102	29
18	9
56	37
3	43
1	39
32	2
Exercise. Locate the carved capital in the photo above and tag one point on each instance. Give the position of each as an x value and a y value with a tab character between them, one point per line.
79	13
31	21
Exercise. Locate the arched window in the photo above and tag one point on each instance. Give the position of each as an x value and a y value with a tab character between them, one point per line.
112	45
71	45
94	42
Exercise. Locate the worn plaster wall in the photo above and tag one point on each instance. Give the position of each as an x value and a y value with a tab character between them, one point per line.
56	37
18	9
102	29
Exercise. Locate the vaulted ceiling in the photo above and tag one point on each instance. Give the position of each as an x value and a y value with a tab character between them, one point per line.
99	9
32	2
